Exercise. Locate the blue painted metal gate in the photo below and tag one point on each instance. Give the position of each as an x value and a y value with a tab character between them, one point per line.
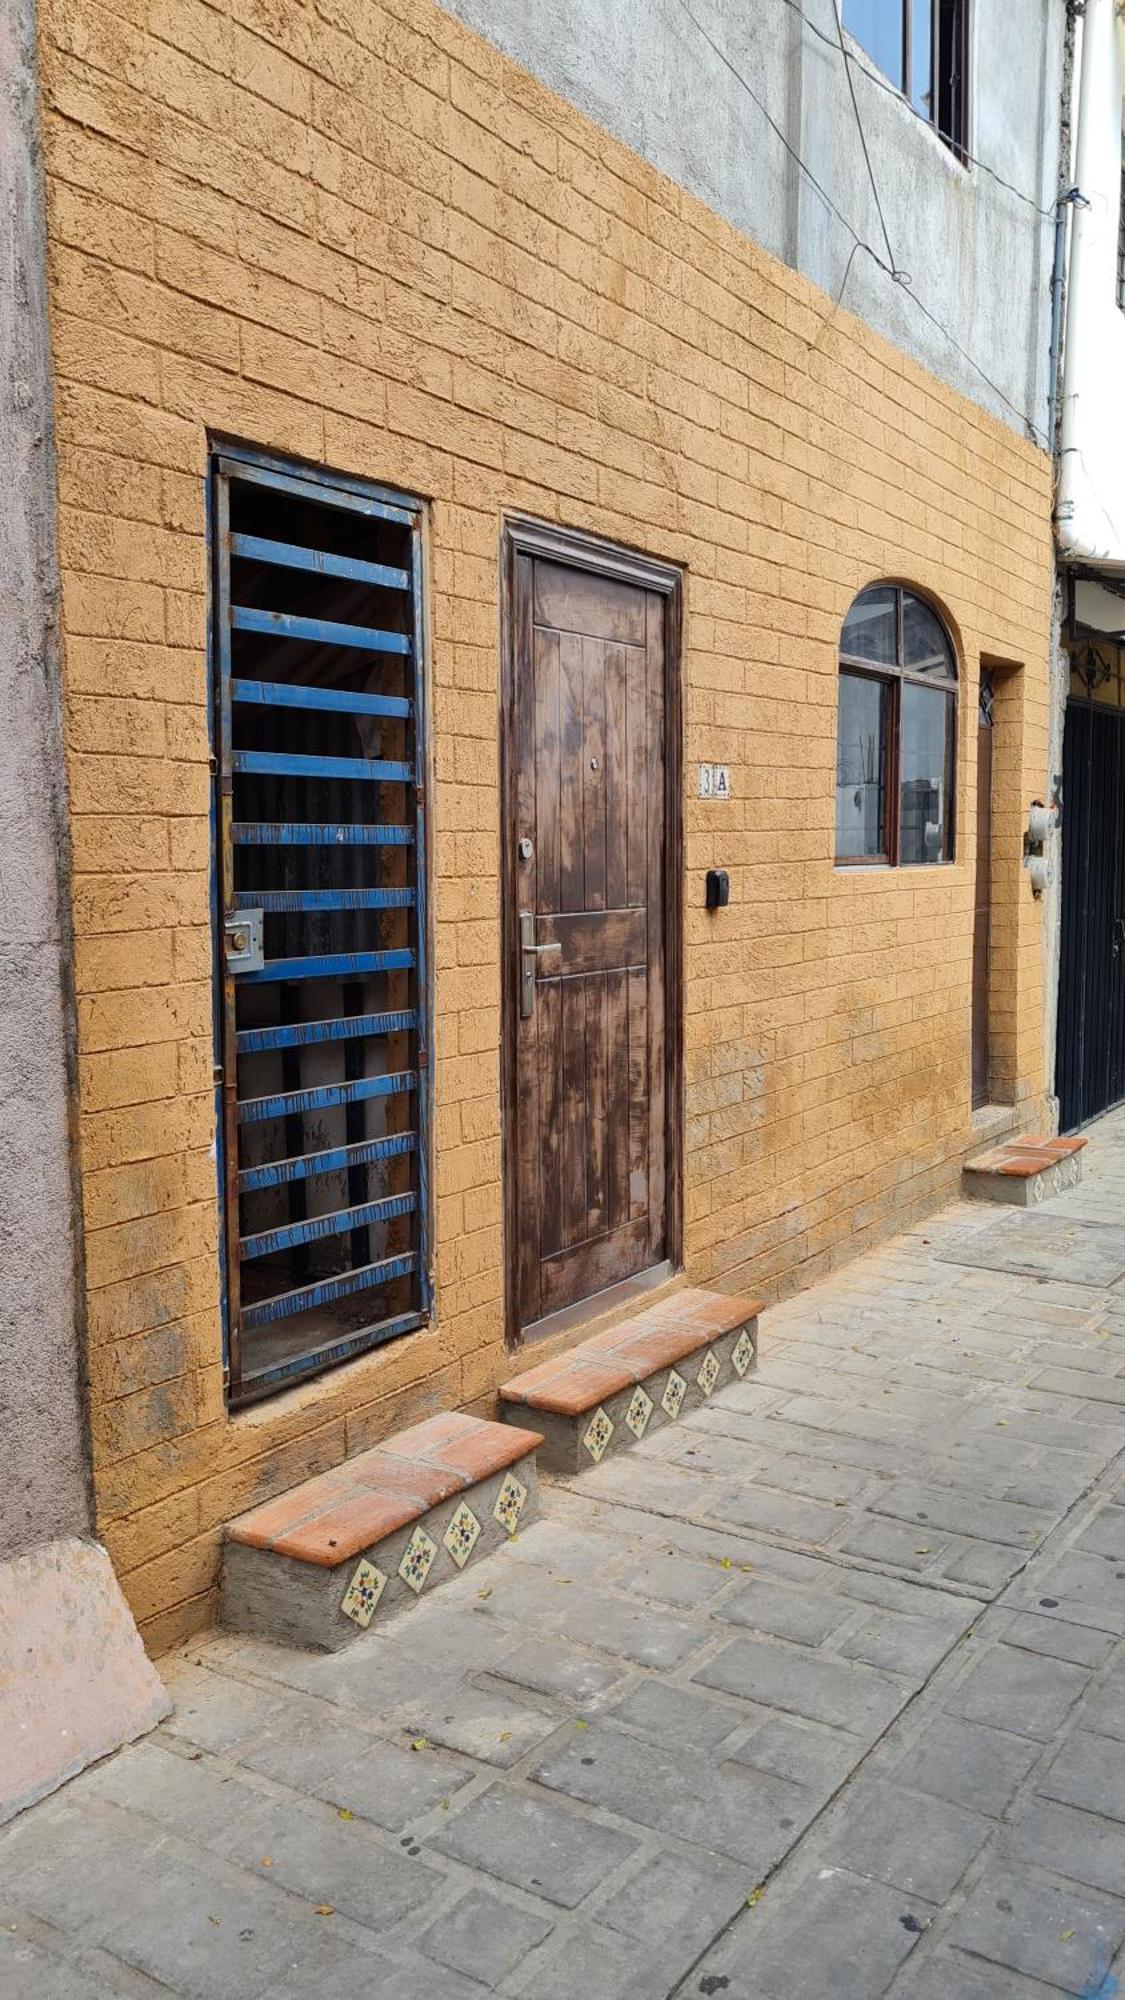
320	918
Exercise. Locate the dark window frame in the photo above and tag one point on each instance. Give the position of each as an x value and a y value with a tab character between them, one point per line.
948	114
894	677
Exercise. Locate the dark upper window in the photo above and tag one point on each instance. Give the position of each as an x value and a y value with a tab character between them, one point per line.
896	733
922	45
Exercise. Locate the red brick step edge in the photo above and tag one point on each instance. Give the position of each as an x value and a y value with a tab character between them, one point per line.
630	1352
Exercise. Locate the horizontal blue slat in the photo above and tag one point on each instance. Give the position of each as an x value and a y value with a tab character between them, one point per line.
306	1166
303	1034
296	833
317	631
323	1096
348	496
292	764
268	1241
336	966
327	1290
326	1355
286	555
281	901
295	694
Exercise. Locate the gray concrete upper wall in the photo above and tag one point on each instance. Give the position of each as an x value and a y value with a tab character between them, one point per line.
43	1474
978	256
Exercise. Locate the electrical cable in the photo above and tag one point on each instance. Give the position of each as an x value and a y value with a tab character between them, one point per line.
898	277
892	259
884	83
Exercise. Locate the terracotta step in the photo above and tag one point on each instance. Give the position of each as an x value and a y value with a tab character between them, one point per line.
1024	1171
316	1565
623	1384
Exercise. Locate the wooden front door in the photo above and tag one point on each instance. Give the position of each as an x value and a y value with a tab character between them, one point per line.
592	893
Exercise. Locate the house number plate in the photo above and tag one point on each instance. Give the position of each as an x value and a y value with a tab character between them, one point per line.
714	781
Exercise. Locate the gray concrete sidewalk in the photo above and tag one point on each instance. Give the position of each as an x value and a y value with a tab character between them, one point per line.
819	1693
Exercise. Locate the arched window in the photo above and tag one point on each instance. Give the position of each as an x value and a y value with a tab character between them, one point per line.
896	734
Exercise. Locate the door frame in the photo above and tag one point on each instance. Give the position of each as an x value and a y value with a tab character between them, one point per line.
523	537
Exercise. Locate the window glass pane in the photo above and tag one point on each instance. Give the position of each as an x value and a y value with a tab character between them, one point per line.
922	57
861	738
877	27
926	780
925	643
870	627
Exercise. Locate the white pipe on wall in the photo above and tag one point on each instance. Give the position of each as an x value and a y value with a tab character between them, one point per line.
1091	491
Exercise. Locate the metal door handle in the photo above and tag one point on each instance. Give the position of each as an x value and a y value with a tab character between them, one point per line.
529	952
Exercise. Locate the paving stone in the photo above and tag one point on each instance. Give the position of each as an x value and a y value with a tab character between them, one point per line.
902	1645
1089	1772
1059	1638
311	1850
689	1901
802	1752
815	1477
838	1935
891	1542
919	1844
962	1513
776	1513
785	1613
483	1937
1044	1246
678	1715
1105	1714
559	1670
333	1761
800	1682
673	1580
983	1566
1025	1692
1105	1535
534	1844
198	1800
1077	1845
486	1726
236	1935
968	1765
711	1805
949	1975
25	1971
595	1961
214	1712
1050	1930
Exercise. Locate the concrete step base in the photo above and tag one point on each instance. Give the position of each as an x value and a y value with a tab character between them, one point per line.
317	1565
1023	1172
627	1382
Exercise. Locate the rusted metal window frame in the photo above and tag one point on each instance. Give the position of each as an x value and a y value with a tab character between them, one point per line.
894	677
229	461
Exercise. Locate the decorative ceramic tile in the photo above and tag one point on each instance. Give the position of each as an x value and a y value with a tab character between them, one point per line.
509	1504
462	1535
708	1371
599	1430
362	1595
675	1389
743	1353
639	1412
417	1559
1037	1188
1057	1181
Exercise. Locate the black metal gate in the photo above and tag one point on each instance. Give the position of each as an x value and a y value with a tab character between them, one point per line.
1090	1058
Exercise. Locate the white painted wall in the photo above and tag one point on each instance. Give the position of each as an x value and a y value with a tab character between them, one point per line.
1091	500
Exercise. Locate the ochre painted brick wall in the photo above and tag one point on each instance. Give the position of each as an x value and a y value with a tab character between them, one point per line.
354	232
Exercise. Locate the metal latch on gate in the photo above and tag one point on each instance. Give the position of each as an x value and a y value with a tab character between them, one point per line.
243	940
